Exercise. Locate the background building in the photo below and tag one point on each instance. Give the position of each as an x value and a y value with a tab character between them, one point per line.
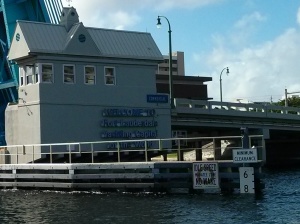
189	87
177	64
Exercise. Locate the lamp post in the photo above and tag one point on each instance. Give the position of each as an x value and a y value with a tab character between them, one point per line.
227	72
170	60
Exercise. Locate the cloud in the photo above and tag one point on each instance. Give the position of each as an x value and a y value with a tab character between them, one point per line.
165	5
246	28
118	14
107	14
298	16
258	73
240	34
127	19
249	20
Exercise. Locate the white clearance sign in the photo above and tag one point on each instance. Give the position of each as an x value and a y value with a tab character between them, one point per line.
244	155
205	175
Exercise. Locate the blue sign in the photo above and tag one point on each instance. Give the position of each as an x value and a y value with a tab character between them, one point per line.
157	98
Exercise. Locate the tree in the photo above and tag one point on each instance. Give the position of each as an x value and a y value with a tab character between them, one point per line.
293	101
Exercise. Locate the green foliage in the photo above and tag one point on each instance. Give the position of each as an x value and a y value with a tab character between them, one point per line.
292	102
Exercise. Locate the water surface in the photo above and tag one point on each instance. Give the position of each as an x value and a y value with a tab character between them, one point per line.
279	203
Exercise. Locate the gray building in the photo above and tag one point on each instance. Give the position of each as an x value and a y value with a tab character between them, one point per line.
80	84
189	87
177	64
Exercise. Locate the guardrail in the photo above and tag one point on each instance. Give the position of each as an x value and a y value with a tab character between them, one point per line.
180	149
236	109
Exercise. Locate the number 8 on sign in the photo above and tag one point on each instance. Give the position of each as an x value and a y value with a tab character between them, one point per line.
247	180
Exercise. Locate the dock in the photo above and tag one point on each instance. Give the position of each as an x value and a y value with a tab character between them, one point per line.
130	176
62	171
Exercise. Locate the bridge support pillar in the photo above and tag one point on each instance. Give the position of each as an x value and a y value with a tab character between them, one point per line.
198	150
245	138
217	149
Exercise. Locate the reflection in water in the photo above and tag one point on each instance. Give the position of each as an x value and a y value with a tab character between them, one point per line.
279	202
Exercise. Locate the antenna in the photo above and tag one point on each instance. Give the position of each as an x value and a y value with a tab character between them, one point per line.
69	2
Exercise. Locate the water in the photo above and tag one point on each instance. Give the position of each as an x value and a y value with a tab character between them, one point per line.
279	203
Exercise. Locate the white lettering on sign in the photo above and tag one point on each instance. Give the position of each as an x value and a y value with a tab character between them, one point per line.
205	175
244	155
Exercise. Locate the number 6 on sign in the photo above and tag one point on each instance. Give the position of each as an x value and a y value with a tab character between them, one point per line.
247	180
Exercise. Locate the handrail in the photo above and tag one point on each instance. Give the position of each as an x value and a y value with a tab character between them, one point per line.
147	147
237	109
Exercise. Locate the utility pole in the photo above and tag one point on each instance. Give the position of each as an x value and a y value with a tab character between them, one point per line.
286	95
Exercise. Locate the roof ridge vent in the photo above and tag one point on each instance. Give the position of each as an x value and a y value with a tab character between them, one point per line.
69	17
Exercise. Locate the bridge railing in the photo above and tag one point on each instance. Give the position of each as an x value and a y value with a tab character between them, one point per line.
181	149
236	109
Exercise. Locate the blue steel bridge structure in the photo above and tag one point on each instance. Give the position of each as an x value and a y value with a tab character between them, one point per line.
11	11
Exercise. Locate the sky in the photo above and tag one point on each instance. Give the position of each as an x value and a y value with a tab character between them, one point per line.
258	40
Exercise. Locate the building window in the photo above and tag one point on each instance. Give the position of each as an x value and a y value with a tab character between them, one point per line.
29	72
109	76
90	75
36	73
22	74
69	74
47	73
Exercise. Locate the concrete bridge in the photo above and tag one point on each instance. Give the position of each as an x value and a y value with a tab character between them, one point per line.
279	125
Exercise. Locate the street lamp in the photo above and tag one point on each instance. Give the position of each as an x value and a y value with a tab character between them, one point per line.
170	60
227	72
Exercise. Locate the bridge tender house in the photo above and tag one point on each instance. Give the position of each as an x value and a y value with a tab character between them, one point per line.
128	124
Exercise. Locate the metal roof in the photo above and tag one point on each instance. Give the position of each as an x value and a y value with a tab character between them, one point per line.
52	38
43	37
125	43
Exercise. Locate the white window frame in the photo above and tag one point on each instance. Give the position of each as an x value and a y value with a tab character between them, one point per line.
71	74
29	77
108	77
36	73
92	79
22	76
